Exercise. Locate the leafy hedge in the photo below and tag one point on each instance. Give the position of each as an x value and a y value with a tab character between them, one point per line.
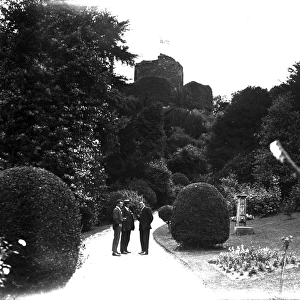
158	176
260	200
37	207
142	188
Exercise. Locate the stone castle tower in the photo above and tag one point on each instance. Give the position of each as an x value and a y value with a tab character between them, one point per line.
165	67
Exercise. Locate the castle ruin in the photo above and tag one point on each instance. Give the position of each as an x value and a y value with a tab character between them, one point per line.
164	67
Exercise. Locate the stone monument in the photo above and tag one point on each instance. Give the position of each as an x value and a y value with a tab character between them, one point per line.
241	217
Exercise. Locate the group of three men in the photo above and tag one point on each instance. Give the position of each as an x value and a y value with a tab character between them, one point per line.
123	224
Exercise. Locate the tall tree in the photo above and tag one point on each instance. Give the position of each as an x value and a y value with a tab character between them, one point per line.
283	124
58	108
234	131
142	140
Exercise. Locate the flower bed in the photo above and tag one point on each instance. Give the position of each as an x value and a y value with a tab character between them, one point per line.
241	263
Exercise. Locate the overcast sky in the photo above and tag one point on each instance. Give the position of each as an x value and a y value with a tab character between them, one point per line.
226	44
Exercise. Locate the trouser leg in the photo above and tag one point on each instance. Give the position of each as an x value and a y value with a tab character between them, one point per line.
142	240
123	241
116	239
146	236
127	239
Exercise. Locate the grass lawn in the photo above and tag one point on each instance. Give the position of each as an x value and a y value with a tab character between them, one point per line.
267	233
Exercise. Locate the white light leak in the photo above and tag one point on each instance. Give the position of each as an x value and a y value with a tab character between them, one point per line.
277	150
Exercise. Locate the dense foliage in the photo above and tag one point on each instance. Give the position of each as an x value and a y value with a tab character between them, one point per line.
141	187
261	201
159	177
37	207
200	216
282	123
188	160
58	105
141	140
233	135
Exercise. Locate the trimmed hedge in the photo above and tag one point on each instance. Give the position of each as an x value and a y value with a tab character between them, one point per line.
200	216
38	207
165	213
180	179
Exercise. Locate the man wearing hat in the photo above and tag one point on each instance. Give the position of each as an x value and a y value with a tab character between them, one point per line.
127	226
145	219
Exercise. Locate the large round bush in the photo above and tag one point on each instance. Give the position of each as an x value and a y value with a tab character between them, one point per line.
38	207
200	216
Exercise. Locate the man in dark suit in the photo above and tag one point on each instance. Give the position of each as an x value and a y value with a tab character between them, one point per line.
145	218
117	227
127	226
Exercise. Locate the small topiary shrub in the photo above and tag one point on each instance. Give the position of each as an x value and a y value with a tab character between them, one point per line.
200	216
180	179
37	207
165	213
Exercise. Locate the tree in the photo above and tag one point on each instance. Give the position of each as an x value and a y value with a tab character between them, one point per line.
293	84
220	103
58	107
188	160
234	132
191	121
282	123
142	140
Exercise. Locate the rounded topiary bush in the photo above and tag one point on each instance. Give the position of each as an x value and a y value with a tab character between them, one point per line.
37	207
200	216
165	213
180	179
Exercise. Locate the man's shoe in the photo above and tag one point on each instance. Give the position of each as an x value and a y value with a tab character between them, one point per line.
123	252
116	254
142	253
128	251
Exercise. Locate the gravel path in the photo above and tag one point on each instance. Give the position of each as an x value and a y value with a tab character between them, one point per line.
156	276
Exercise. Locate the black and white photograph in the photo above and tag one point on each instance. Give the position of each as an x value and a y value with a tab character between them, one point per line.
149	150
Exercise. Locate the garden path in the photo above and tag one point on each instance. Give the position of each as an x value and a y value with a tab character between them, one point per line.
155	276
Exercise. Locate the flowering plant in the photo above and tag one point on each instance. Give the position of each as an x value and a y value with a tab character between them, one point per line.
250	261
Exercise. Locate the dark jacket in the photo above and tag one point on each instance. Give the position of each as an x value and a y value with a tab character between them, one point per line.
145	219
117	216
128	223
